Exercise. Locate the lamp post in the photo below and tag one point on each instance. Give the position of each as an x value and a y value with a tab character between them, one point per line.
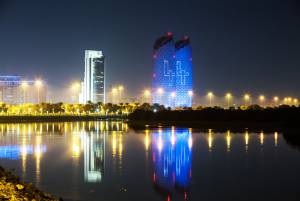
24	86
75	89
38	84
147	94
114	93
295	101
210	96
120	89
275	99
160	92
173	96
228	98
191	94
262	100
247	99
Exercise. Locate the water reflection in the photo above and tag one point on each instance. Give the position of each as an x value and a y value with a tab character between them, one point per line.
20	140
92	157
172	161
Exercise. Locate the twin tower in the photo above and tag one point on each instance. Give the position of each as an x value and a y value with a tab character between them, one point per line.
172	83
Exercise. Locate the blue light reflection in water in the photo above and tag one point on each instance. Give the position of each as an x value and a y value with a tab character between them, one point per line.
172	161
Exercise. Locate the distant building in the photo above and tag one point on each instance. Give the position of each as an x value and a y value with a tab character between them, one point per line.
15	90
172	82
10	89
94	77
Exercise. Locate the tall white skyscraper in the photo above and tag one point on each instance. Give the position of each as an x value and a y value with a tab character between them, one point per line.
94	77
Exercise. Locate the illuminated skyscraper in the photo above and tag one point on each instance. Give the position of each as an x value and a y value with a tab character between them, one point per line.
94	77
184	80
172	72
164	72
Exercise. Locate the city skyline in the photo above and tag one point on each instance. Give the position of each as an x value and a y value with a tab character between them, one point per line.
253	52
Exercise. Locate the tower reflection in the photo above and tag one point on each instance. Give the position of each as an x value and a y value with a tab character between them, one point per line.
172	161
94	156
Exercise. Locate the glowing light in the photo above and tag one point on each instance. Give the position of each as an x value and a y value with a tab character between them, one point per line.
190	142
275	99
75	86
210	139
114	90
276	138
159	144
261	98
261	138
24	84
228	140
147	140
246	140
147	93
38	83
295	101
228	97
160	91
210	96
247	98
173	139
190	93
173	94
120	88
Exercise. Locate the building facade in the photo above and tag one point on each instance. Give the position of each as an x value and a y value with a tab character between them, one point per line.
184	69
10	89
15	90
163	78
94	77
172	82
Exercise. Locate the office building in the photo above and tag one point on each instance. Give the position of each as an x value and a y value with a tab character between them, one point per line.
163	78
184	80
94	77
172	82
15	90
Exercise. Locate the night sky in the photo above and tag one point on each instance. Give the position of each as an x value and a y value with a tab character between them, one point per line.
238	45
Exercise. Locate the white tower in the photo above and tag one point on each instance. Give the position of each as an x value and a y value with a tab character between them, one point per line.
94	77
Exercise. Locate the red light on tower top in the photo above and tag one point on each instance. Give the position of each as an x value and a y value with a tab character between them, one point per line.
185	37
169	33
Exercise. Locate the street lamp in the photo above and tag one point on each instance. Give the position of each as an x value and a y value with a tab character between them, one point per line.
295	101
262	99
173	94
247	99
160	91
38	84
191	94
75	88
228	97
210	96
24	86
275	99
147	94
120	89
114	91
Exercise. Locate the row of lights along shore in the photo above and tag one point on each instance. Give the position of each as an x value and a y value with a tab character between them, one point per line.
117	93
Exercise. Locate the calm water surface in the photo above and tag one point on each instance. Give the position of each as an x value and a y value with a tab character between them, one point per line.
110	162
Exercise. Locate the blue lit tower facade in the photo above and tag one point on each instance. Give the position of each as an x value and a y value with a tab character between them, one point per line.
172	82
184	67
163	81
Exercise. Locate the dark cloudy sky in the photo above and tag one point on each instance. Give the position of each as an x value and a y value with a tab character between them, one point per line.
238	45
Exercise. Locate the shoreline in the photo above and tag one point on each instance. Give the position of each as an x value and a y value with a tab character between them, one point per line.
235	126
55	118
11	188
